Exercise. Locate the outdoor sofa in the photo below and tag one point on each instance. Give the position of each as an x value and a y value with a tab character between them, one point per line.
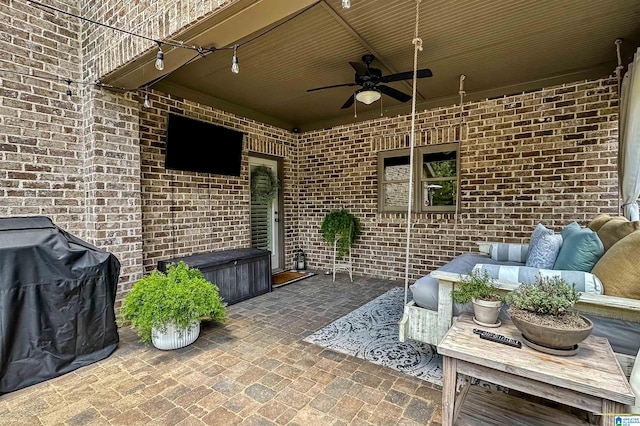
609	247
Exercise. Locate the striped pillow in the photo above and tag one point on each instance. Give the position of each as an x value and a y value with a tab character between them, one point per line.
583	281
509	252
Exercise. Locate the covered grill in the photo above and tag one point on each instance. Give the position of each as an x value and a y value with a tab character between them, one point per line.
57	296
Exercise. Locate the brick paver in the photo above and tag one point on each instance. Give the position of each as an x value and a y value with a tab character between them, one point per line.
253	370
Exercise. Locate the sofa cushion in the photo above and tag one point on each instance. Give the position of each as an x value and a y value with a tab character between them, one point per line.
543	248
583	281
425	289
567	230
618	268
615	230
580	251
599	220
510	252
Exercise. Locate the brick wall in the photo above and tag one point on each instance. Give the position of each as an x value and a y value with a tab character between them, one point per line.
41	144
547	156
95	163
186	212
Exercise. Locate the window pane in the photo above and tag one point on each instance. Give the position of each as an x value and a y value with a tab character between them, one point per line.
439	164
439	193
396	194
396	168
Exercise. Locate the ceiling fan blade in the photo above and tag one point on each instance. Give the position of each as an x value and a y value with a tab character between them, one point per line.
361	69
349	102
426	72
395	94
329	87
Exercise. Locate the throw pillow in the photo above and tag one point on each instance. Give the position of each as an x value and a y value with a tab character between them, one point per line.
573	226
615	230
580	250
600	220
618	268
509	252
543	248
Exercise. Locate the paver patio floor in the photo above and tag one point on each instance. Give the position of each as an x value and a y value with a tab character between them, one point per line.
253	370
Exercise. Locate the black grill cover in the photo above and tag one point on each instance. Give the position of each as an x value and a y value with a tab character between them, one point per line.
57	296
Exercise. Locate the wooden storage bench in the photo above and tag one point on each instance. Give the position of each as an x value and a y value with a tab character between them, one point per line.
240	274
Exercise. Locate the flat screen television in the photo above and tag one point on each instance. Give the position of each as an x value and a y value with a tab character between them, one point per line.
198	146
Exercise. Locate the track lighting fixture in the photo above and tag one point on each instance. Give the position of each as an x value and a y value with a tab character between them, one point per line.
234	65
346	4
69	93
160	58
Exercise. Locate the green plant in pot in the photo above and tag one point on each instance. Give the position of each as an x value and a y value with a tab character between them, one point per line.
166	308
543	312
342	228
479	288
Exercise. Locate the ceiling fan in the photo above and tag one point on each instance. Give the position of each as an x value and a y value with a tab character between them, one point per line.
370	78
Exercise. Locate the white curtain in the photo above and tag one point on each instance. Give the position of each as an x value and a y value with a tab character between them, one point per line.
629	142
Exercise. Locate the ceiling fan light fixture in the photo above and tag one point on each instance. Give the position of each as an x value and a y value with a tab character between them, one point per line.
368	96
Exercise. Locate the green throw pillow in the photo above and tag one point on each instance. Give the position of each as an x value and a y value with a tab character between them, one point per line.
581	249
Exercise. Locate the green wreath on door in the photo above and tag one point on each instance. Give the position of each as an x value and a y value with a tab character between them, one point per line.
264	184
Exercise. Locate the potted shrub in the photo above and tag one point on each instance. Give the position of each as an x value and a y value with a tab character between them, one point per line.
166	308
543	313
342	228
478	288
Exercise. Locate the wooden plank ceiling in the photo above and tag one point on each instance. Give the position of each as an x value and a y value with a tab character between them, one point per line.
501	46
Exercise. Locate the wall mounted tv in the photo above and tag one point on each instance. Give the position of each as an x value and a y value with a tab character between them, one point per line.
198	146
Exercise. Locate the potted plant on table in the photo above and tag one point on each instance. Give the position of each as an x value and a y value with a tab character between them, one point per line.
341	228
478	288
166	308
543	313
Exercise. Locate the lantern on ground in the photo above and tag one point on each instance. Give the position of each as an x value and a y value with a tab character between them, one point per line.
300	260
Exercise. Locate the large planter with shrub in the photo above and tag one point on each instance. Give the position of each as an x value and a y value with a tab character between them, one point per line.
543	313
173	302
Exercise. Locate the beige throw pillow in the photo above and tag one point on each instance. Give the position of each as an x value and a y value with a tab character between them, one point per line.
618	268
615	230
600	220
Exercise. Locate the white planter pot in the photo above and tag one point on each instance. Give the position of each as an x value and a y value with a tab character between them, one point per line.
486	311
175	338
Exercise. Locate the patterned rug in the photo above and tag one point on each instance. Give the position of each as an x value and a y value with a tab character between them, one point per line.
371	333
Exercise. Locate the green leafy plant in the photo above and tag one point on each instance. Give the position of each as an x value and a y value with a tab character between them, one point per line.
341	224
476	284
548	295
181	296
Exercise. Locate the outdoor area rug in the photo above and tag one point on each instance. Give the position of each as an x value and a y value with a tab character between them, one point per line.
371	333
288	277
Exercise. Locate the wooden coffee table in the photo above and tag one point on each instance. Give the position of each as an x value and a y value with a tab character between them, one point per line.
591	380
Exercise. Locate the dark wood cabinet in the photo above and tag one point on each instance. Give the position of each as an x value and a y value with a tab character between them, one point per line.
240	274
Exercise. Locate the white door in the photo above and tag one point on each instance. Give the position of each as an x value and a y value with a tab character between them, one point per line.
264	212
